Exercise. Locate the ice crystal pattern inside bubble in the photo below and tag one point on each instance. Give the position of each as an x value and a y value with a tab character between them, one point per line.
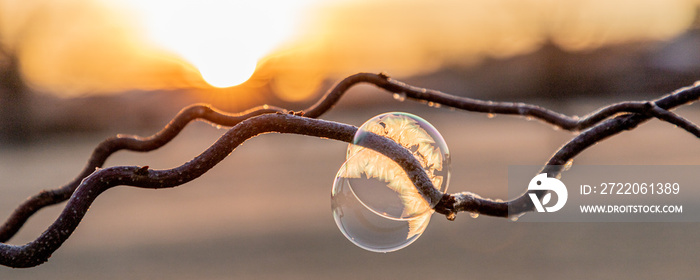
374	202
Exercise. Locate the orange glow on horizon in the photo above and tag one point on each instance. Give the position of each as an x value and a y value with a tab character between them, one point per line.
223	39
289	48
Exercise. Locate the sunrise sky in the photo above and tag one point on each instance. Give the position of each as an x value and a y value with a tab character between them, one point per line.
76	47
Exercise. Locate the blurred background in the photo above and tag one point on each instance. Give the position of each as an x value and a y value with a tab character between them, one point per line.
74	72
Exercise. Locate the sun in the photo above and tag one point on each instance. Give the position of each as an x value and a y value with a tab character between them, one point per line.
223	68
223	39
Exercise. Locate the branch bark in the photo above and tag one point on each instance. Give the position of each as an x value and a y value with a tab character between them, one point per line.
92	181
657	108
39	250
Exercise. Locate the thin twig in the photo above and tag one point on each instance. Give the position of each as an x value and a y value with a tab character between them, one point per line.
599	125
39	250
123	142
464	201
134	143
672	118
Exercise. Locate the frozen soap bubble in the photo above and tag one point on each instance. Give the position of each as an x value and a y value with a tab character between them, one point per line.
374	203
379	182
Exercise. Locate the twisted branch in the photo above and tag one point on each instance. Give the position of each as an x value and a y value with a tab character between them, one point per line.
466	201
39	250
123	142
600	124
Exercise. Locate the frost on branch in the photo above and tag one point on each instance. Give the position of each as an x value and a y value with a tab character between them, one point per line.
81	192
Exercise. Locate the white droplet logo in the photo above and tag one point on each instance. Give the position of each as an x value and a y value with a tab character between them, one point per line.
543	183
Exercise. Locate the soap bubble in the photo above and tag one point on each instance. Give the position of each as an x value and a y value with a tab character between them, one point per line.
374	202
379	182
365	228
